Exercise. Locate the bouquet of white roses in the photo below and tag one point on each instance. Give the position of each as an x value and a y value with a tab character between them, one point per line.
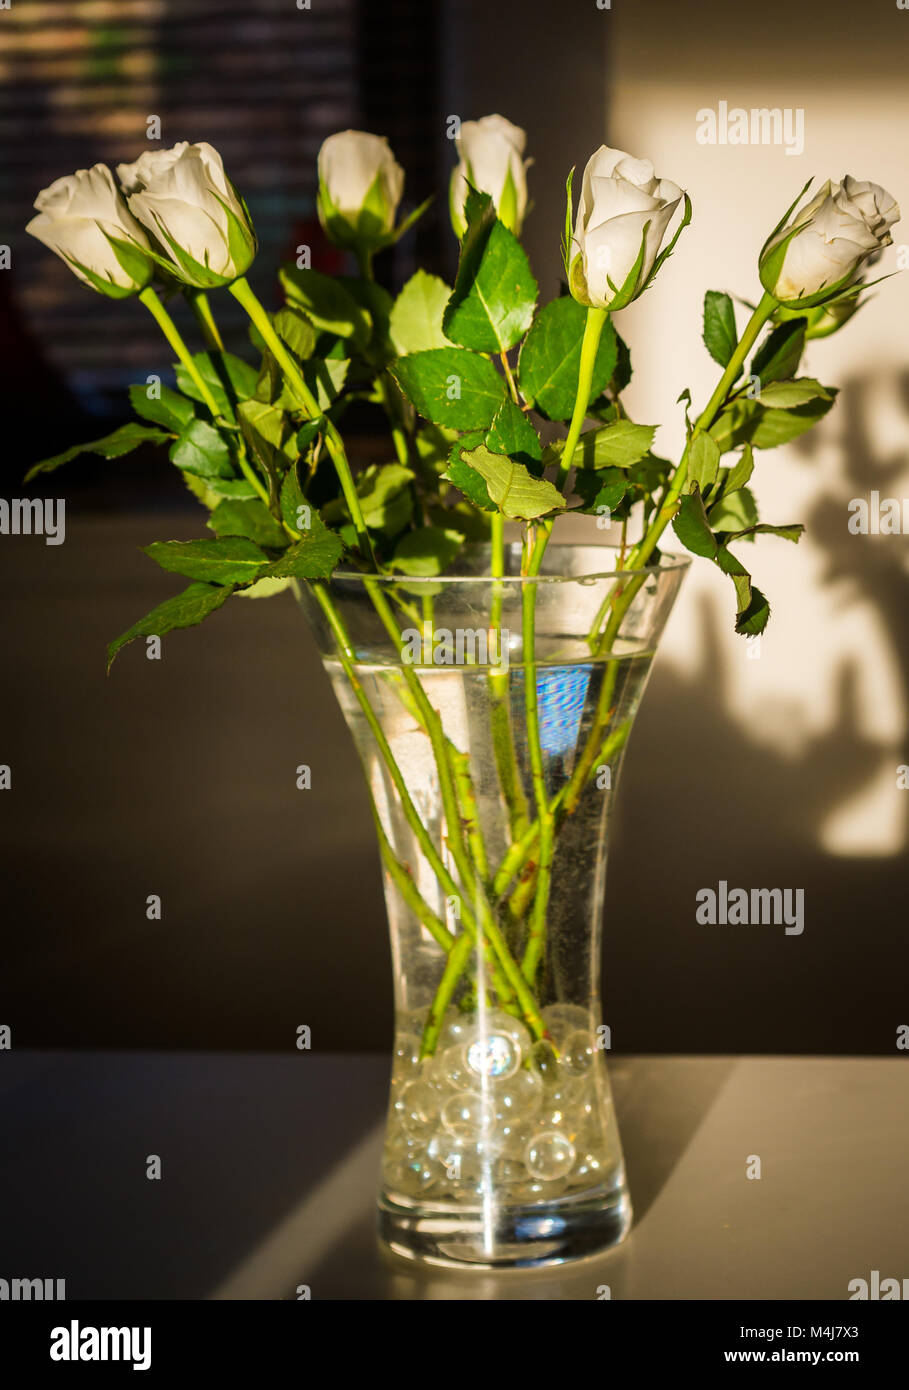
459	372
465	377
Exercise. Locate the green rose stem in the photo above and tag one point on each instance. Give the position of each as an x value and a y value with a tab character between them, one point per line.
499	681
459	765
409	892
519	852
593	330
198	302
507	964
641	552
536	940
242	291
390	401
766	307
644	548
149	298
398	434
153	304
347	658
448	790
455	967
537	925
543	840
506	368
500	716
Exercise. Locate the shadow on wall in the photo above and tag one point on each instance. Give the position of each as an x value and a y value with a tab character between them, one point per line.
711	798
876	570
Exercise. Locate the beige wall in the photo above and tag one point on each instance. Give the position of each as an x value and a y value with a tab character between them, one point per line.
835	658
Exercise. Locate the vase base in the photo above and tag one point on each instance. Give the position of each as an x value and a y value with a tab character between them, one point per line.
512	1237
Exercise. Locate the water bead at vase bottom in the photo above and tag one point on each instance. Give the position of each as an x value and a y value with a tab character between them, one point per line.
495	1111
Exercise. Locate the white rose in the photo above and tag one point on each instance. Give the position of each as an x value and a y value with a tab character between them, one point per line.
492	162
838	230
360	186
623	213
84	219
202	224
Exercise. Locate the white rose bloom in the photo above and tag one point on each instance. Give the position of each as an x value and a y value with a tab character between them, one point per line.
77	217
623	213
185	198
492	161
360	187
841	227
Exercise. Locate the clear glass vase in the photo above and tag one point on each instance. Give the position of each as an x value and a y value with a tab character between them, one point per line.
491	717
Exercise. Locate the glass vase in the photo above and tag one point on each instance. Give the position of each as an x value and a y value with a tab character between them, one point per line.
491	716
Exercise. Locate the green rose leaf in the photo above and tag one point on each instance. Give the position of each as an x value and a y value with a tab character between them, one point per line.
732	426
618	445
551	356
230	561
692	527
312	557
307	433
264	588
514	490
386	496
268	428
650	474
491	306
271	388
737	476
774	427
756	616
185	610
210	490
512	433
433	446
622	373
752	608
326	302
416	318
297	512
427	551
112	446
200	449
720	336
378	304
779	355
297	331
730	564
214	369
451	387
783	395
792	532
735	511
325	378
166	407
468	481
470	522
600	488
703	462
250	519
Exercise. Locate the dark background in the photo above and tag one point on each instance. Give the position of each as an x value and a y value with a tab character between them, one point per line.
177	777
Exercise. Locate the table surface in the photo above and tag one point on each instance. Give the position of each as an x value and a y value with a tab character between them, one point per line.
269	1163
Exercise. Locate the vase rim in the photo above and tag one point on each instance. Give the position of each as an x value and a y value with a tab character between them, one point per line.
669	562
